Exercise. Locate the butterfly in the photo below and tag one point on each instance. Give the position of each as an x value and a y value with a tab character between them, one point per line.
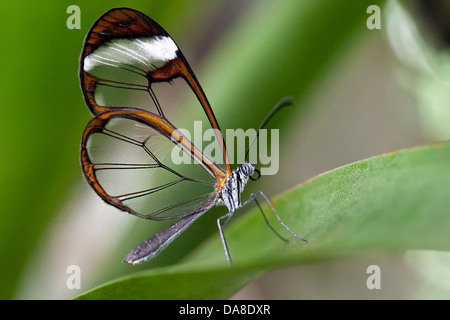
125	56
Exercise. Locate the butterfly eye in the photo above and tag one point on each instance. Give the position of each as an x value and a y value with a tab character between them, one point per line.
258	175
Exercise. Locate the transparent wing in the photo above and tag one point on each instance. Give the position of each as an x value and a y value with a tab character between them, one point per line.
120	52
140	163
125	54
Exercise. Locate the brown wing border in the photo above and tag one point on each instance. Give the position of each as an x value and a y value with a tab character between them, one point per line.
159	124
127	22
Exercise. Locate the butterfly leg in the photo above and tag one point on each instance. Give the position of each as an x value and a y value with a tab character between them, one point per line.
260	193
253	197
222	236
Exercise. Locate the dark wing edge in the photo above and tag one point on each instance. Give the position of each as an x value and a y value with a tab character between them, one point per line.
114	24
162	126
126	22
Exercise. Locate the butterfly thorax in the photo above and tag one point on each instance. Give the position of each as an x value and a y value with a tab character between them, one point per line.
230	193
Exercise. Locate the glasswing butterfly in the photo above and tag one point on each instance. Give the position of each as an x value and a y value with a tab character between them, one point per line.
124	147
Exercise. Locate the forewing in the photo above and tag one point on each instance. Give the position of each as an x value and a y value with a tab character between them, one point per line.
124	54
119	54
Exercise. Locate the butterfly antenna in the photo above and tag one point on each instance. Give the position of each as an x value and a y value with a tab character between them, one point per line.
280	104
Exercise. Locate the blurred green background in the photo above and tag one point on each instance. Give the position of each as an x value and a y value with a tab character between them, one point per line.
358	93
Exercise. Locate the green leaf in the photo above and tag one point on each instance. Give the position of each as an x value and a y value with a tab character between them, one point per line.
388	203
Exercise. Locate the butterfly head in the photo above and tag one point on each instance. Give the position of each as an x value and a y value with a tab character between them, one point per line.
248	170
